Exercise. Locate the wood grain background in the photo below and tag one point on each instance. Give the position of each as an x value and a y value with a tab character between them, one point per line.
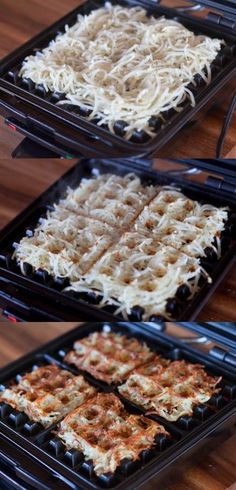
217	471
20	20
23	180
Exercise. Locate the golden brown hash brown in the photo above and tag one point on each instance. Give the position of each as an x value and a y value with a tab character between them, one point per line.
108	356
47	394
106	433
170	391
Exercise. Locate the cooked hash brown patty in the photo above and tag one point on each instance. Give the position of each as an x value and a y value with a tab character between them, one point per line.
47	394
129	243
108	356
170	391
167	388
97	423
107	434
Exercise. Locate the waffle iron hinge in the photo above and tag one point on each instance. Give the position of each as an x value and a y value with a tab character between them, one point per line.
222	21
223	355
220	184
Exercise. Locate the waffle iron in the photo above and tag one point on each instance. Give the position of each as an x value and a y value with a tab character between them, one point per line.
37	296
31	457
28	109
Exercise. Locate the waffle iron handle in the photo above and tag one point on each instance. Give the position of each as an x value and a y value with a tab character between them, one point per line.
39	478
28	471
32	479
24	476
225	127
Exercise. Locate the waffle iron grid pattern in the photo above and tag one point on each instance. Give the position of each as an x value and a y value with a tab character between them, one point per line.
73	460
177	303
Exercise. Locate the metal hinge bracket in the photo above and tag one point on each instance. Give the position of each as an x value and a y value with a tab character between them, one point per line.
222	20
220	184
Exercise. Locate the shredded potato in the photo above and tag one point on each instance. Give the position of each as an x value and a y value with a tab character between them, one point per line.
131	244
47	394
107	434
124	65
170	391
108	356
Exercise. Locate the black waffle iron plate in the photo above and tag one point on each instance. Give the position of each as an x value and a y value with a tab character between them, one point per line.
35	113
33	455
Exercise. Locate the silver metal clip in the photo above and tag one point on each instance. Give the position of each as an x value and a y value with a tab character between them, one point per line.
192	8
195	340
183	171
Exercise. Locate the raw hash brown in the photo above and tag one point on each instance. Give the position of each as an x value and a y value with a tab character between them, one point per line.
129	244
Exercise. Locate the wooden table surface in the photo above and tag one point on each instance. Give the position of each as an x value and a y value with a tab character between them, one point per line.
23	180
218	469
20	20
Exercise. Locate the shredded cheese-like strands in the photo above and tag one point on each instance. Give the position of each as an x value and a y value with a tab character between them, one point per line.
132	244
123	64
